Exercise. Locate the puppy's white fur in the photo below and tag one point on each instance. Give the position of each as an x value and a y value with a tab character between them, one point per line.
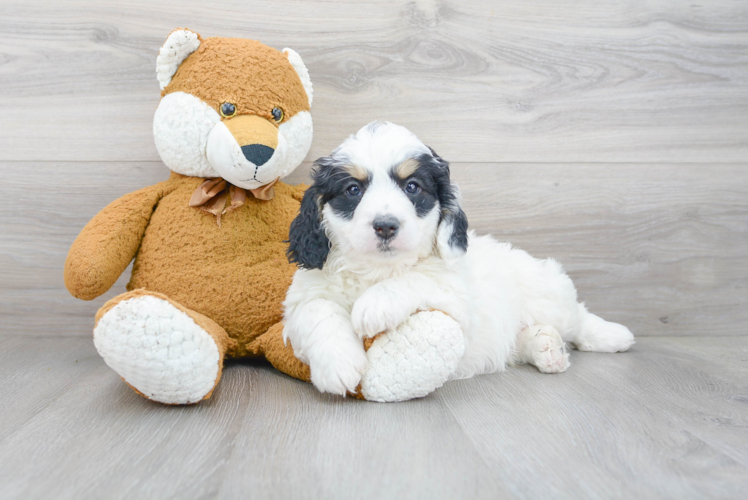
511	306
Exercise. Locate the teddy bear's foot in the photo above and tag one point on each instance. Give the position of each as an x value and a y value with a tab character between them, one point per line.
414	359
165	352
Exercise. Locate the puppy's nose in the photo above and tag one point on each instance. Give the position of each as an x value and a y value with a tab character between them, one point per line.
258	154
386	226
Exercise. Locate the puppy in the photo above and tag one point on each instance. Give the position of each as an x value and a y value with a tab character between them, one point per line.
381	235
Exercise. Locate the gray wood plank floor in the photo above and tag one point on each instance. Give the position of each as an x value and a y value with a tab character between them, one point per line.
610	135
666	420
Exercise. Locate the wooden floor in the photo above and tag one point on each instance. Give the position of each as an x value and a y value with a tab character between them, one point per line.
668	419
612	136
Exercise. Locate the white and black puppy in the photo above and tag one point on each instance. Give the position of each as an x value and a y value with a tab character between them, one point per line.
381	235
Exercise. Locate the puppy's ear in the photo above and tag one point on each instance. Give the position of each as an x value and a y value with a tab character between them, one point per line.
308	245
451	235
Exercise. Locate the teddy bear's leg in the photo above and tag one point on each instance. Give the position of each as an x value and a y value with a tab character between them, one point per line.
280	354
164	351
414	359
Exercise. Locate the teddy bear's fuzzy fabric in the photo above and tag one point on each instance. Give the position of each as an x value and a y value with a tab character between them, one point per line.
245	67
413	360
144	357
236	274
207	282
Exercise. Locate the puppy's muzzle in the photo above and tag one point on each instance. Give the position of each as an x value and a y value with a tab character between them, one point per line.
386	227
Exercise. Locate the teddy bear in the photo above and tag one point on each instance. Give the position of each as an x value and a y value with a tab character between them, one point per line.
209	243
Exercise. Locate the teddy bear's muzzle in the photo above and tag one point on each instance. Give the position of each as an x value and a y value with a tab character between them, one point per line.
253	130
247	150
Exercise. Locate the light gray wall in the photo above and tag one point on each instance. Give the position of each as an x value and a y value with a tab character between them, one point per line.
612	136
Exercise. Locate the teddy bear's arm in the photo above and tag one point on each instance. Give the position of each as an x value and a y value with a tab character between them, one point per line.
108	243
297	191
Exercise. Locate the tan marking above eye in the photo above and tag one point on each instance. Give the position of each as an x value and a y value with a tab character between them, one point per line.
407	168
357	172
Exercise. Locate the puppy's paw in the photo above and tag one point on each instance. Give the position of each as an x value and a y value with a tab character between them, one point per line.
549	351
340	368
375	312
543	347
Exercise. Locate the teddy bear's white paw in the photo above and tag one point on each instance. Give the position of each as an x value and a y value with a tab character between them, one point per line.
414	359
159	350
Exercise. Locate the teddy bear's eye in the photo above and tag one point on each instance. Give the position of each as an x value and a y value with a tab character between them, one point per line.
277	115
228	110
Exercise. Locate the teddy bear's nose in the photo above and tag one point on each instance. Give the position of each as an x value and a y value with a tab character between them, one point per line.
258	154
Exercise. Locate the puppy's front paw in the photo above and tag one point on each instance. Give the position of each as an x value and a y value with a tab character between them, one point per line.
375	312
339	370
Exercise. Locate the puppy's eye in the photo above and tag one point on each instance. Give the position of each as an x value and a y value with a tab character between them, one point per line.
228	110
412	188
277	115
353	190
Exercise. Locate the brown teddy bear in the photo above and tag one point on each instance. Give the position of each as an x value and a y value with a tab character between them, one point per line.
210	270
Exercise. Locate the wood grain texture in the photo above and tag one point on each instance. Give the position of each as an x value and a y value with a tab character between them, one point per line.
665	420
611	136
621	419
519	81
658	247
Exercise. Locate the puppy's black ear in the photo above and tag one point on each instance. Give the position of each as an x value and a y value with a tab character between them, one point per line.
452	233
308	245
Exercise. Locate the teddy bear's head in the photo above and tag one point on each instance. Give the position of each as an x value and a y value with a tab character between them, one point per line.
231	108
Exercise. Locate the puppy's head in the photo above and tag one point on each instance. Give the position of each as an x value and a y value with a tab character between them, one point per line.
381	196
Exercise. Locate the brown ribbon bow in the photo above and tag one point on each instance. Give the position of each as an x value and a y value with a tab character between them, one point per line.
211	196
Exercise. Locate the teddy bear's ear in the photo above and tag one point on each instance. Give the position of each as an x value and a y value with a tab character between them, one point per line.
180	43
298	65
